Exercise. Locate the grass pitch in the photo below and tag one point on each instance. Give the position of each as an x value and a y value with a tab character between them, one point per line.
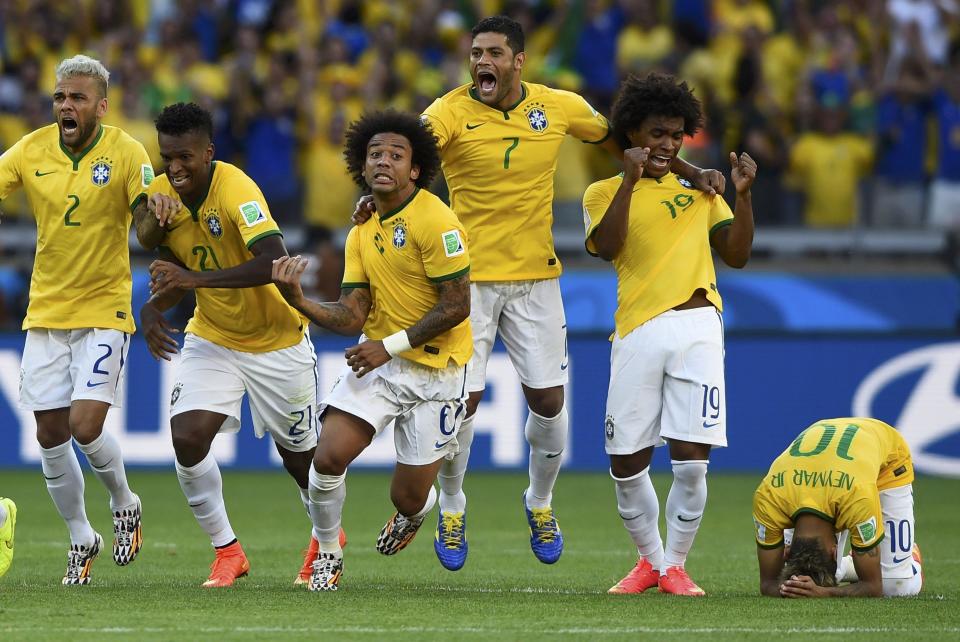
502	593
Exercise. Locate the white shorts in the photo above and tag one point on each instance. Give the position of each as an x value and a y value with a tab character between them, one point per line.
666	382
426	404
530	319
62	366
281	384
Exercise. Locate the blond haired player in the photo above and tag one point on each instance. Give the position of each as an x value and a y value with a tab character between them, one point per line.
499	141
666	363
82	179
243	337
850	476
406	284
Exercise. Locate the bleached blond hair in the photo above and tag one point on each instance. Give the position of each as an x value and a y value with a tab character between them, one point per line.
85	66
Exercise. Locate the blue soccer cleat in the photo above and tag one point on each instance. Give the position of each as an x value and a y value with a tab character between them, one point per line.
546	540
450	540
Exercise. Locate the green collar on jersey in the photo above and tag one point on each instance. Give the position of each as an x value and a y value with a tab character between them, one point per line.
506	115
195	208
402	205
83	152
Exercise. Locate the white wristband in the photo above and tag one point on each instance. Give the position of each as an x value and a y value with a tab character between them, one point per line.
397	343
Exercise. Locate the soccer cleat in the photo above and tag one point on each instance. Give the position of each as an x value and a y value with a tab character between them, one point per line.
676	582
127	534
326	572
450	540
231	563
6	535
917	557
80	560
642	577
397	533
310	556
546	540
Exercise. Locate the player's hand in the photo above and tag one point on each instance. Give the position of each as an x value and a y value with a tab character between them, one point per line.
365	209
157	331
163	207
366	356
166	277
710	181
634	160
743	171
801	586
286	274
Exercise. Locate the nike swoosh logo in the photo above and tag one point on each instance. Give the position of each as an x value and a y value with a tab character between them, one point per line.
692	519
469	126
90	384
39	173
52	478
438	445
549	456
563	366
898	561
709	425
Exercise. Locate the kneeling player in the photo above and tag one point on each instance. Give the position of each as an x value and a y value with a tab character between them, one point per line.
406	284
850	475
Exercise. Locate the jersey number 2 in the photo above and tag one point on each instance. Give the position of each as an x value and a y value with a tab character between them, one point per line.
66	217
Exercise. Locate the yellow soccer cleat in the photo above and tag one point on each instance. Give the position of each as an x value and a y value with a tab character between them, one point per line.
6	535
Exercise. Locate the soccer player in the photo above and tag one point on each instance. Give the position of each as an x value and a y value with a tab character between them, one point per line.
406	284
83	179
499	138
8	523
243	337
666	363
851	476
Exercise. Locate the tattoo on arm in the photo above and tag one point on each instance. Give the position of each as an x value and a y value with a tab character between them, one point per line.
452	308
149	233
345	316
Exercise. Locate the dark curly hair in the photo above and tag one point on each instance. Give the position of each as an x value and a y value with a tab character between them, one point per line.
654	95
181	118
426	156
502	25
807	557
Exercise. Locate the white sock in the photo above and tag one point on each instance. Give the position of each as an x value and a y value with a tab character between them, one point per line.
452	471
547	438
893	587
427	506
685	504
327	495
305	498
639	509
203	488
3	515
846	572
105	459
65	485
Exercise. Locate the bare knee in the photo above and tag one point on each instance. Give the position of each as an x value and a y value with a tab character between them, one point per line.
85	430
407	500
546	402
190	445
297	465
626	466
328	462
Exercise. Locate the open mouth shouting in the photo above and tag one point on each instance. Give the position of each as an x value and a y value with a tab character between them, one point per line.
382	178
659	162
69	126
486	83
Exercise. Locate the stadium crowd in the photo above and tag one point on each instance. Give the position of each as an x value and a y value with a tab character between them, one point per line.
852	108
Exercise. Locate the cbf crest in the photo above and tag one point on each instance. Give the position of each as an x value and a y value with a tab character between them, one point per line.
400	234
212	219
537	117
101	171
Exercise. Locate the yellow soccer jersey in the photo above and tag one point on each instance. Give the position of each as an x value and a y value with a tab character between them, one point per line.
216	234
834	469
400	256
499	167
666	256
82	204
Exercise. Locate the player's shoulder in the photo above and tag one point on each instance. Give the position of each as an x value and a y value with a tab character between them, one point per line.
229	181
46	135
455	101
604	187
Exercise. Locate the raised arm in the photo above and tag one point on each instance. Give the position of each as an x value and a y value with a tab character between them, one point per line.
150	217
734	242
611	233
345	316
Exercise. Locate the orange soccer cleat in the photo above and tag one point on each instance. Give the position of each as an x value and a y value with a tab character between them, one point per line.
310	556
677	582
231	562
918	558
642	577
